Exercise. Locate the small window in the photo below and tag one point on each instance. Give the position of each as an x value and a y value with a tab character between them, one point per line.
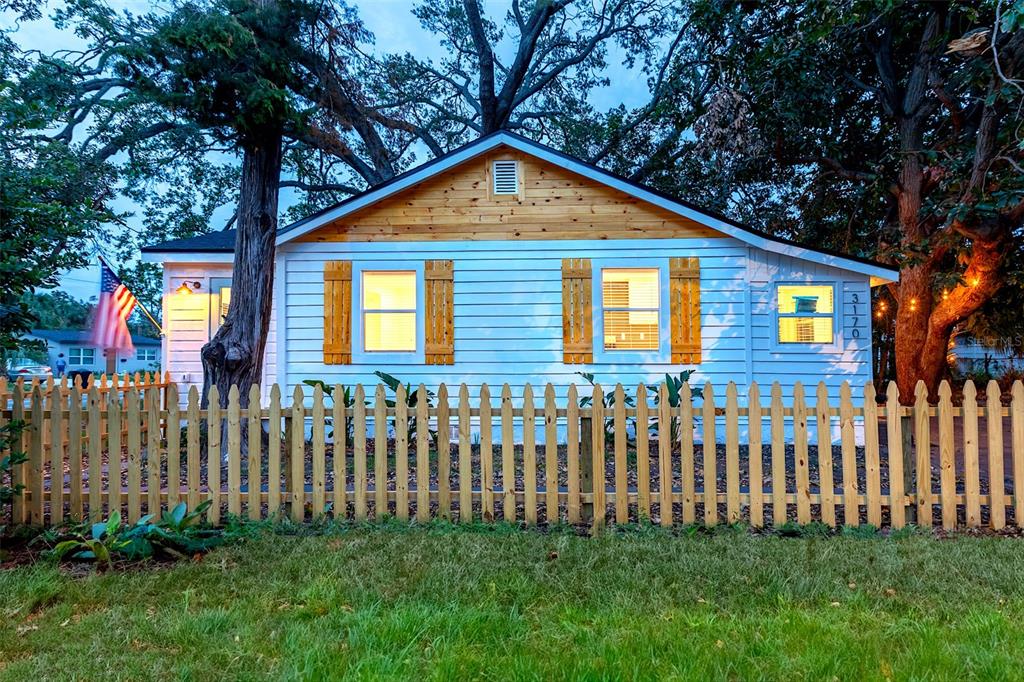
806	313
389	311
631	308
220	299
81	356
505	176
145	354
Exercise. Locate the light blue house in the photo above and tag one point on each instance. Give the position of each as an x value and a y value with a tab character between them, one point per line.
508	261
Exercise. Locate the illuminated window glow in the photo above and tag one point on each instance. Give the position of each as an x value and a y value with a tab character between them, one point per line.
220	300
631	308
389	311
805	313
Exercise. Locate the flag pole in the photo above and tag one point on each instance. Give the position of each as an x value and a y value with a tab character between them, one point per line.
138	303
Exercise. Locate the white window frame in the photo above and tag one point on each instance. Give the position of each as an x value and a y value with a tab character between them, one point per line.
82	350
360	355
147	350
794	347
663	354
214	284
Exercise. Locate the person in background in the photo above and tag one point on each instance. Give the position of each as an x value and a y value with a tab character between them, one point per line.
61	365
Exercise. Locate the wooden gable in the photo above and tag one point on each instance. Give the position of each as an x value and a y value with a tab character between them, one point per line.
553	203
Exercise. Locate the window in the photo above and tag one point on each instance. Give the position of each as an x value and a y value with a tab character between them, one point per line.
220	299
631	308
505	177
806	313
145	354
81	356
389	311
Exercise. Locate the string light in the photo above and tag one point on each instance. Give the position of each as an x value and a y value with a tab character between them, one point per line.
913	304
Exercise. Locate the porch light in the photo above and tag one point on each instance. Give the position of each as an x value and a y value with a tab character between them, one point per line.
186	288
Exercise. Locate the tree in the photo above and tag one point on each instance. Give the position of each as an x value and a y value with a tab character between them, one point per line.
234	68
885	129
47	201
58	310
558	56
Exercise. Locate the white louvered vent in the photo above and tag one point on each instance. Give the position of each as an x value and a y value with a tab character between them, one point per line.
506	177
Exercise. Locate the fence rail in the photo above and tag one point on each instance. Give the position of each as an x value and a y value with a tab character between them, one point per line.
525	458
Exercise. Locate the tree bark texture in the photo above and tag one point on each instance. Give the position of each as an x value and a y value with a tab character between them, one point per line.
234	356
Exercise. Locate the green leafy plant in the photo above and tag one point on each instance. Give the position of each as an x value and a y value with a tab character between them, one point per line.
673	391
176	535
412	397
348	400
674	387
608	402
98	545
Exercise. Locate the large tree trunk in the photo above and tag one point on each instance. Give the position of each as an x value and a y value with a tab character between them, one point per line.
234	356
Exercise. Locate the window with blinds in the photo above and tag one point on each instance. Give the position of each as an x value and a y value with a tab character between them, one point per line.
806	313
505	177
389	311
631	306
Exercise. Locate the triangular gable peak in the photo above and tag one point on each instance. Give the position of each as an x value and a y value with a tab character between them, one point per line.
605	206
552	202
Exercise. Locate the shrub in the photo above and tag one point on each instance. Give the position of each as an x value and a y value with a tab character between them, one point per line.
176	535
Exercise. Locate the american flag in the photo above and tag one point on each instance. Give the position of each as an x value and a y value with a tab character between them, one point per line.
110	328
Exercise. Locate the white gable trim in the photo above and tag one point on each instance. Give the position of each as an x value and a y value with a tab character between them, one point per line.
442	164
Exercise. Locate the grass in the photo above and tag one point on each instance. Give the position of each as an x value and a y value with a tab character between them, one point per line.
437	602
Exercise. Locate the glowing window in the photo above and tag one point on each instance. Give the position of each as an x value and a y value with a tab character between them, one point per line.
220	300
389	311
631	308
805	313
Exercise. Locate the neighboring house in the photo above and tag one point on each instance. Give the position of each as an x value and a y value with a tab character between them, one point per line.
82	355
969	355
507	261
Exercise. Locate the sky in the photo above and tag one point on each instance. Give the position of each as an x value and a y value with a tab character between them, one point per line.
395	30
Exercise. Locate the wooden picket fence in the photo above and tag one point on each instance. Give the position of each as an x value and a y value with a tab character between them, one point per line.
137	451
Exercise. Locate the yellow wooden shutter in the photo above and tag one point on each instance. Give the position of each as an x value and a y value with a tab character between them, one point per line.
577	312
684	308
338	312
439	316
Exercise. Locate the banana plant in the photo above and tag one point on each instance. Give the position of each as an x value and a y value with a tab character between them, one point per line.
608	402
673	391
412	397
348	400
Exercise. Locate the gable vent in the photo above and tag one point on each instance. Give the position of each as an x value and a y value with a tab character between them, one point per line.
506	177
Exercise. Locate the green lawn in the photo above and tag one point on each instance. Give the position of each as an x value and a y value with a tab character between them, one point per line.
400	603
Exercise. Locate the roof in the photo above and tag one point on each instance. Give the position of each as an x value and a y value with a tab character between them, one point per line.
84	336
224	241
212	242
